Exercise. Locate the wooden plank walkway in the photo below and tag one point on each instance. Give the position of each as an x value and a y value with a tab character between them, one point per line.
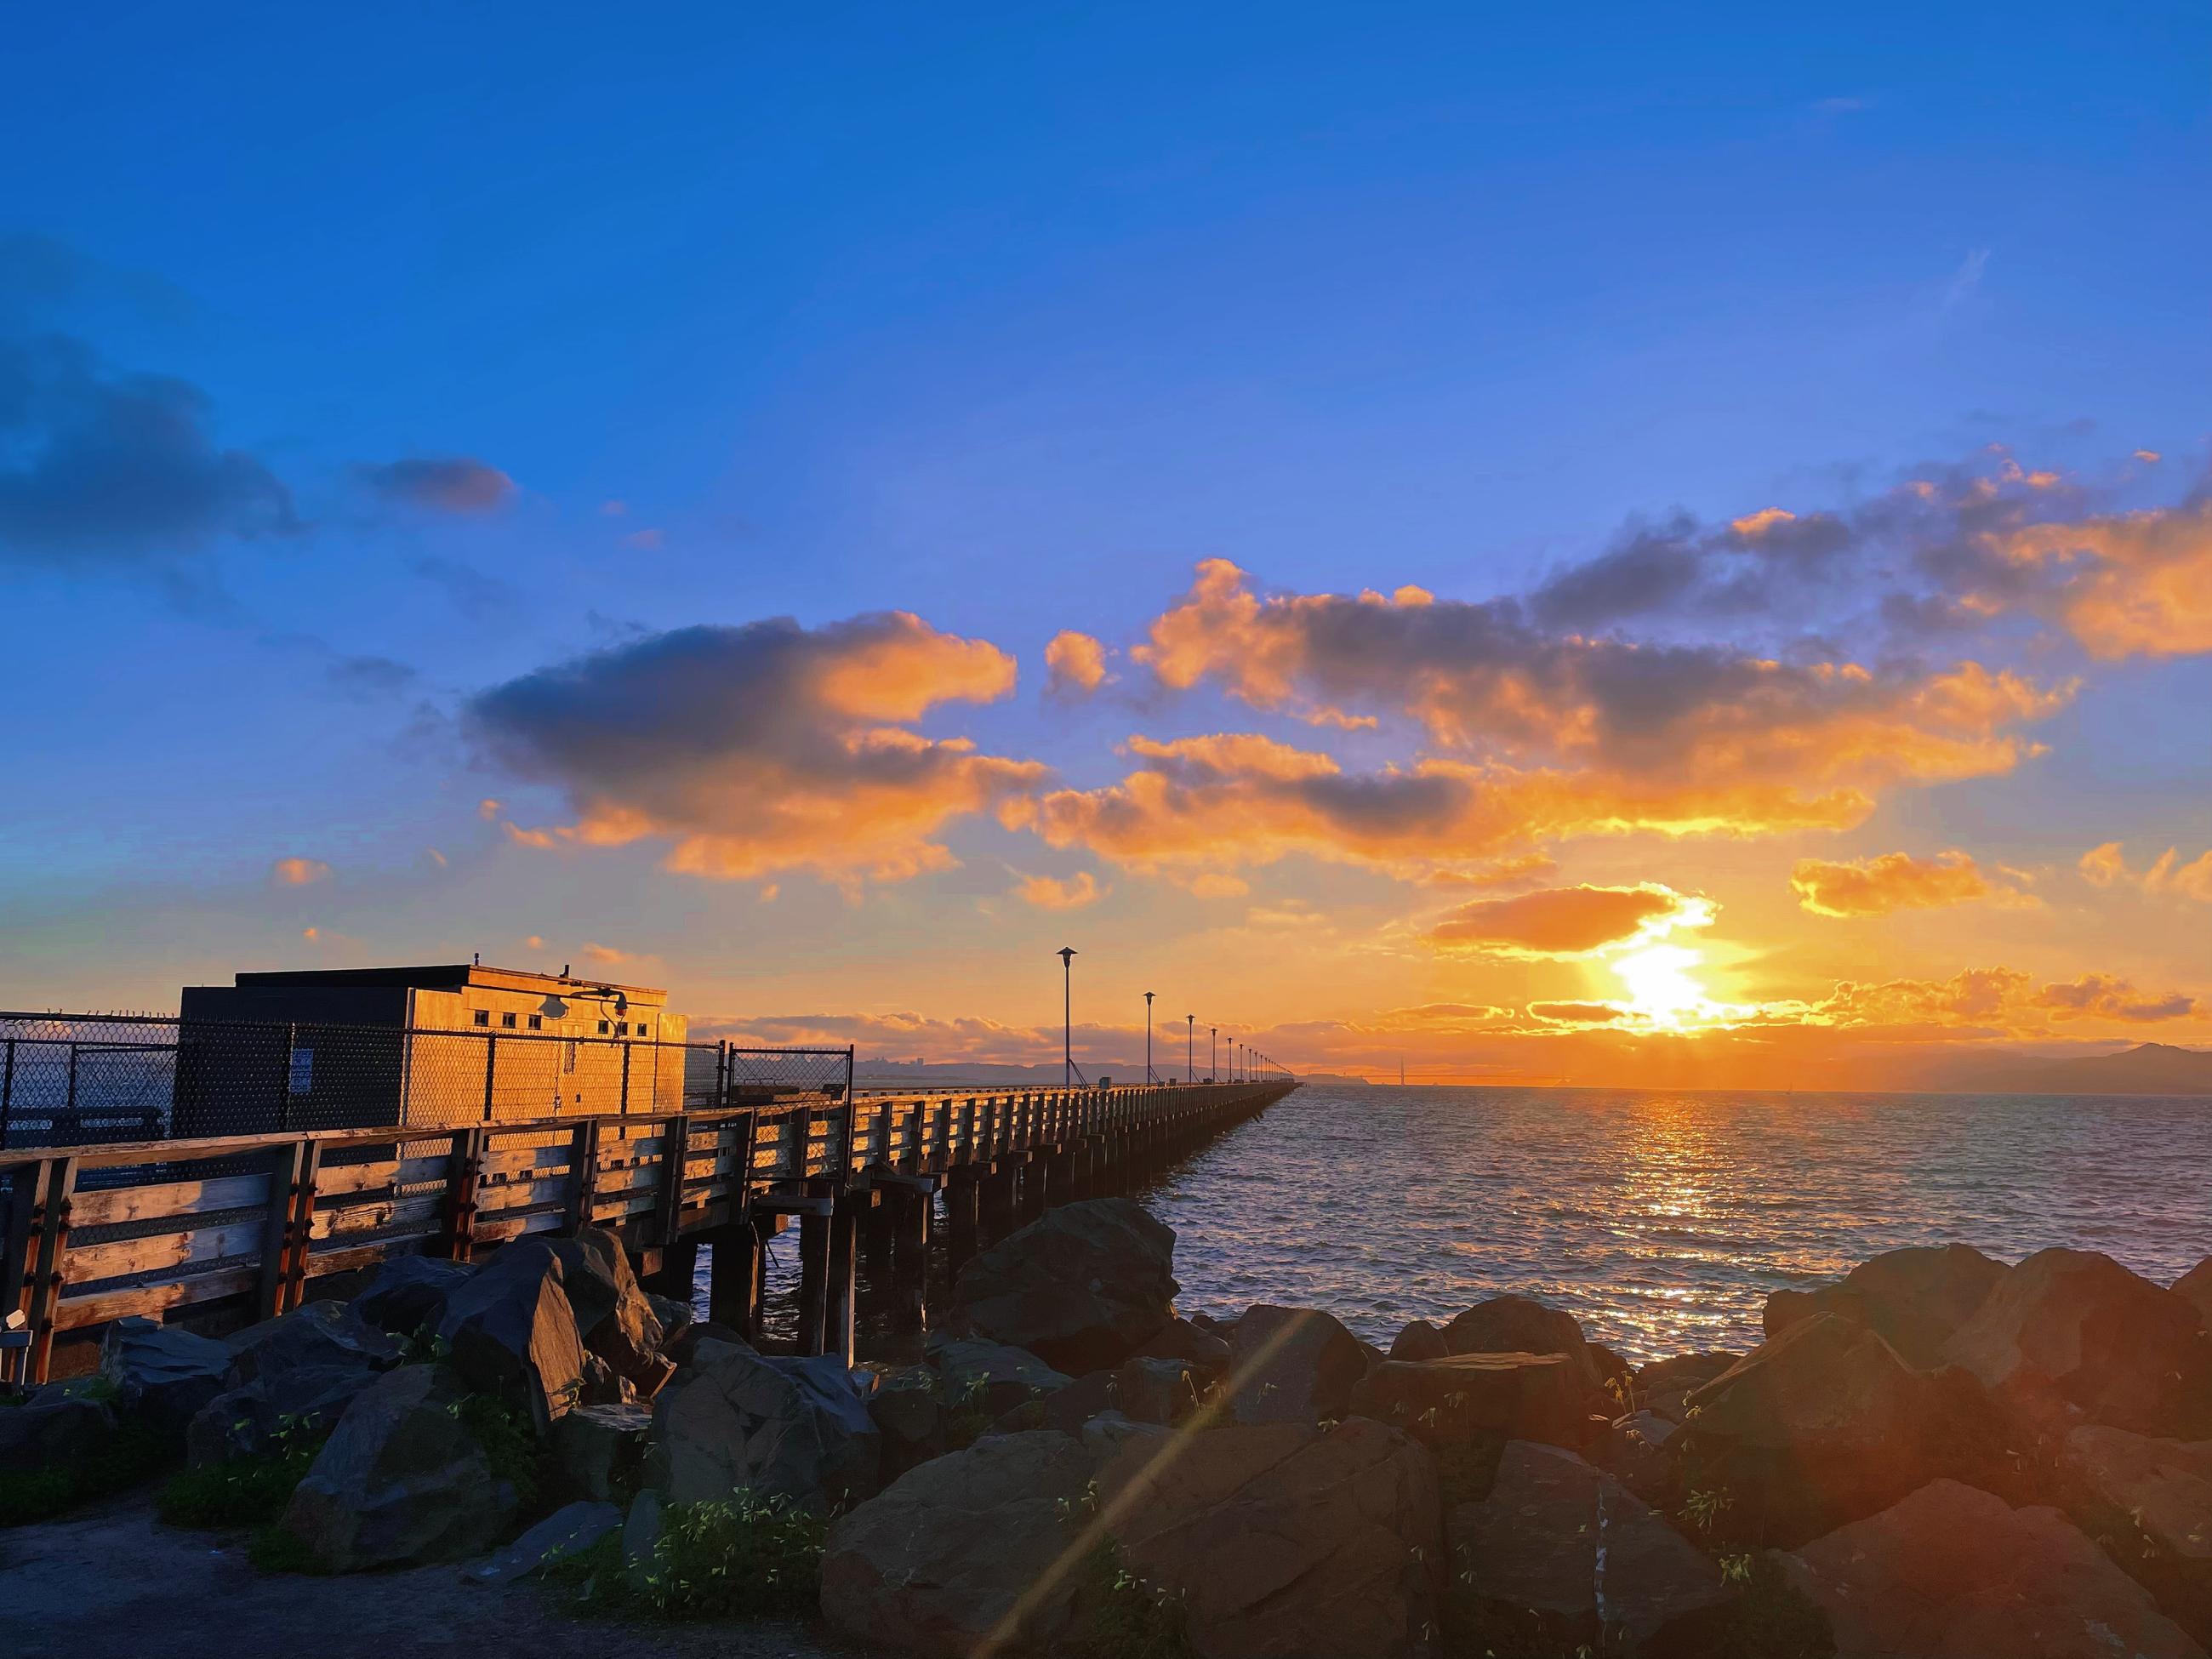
92	1234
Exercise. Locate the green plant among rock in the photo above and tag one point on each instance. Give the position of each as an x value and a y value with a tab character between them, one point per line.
1131	1618
247	1491
511	1447
966	1415
745	1556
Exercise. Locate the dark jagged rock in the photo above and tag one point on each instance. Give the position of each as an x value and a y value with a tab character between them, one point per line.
1663	1385
2194	1287
601	1450
1916	1298
907	1405
1634	1449
509	1333
683	1350
2070	1336
1292	1365
1953	1572
1286	1539
162	1376
787	1427
565	1534
1568	1549
59	1431
1521	1324
993	1375
1418	1340
1826	1424
1474	1396
1183	1339
409	1293
322	1335
400	1479
1163	1391
1613	1373
963	1548
614	1317
1066	1409
2149	1503
674	1315
288	1406
1083	1287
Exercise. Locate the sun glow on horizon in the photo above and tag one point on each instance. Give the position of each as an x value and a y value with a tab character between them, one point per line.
1660	987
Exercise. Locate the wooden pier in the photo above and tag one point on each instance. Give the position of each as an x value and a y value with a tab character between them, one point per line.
93	1234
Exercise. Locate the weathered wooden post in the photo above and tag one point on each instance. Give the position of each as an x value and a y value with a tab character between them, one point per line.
842	1302
734	1276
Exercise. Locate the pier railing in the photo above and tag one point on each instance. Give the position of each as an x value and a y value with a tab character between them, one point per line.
92	1234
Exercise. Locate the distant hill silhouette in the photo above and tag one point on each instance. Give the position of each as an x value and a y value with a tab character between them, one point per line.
2149	1068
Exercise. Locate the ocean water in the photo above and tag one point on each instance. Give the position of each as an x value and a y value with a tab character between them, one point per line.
1662	1220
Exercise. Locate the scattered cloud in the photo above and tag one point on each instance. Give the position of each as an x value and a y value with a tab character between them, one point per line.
535	942
1562	922
606	955
2105	867
98	467
1898	881
1049	893
2109	997
439	483
645	541
770	747
435	856
299	871
1579	1014
1075	664
1966	281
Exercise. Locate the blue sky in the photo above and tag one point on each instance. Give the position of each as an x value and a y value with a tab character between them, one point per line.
1007	316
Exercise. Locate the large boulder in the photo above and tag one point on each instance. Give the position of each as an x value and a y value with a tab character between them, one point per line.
2150	1503
1825	1424
278	1412
1163	1391
602	1449
2071	1336
1917	1298
58	1432
994	1376
1564	1552
1521	1324
1291	1365
1083	1287
409	1293
1634	1449
974	1551
322	1335
1285	1539
1470	1396
787	1428
162	1376
400	1479
614	1317
1664	1386
1418	1339
509	1333
1953	1572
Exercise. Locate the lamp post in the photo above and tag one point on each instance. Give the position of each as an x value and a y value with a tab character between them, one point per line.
1067	954
1148	1038
1189	1048
1214	1070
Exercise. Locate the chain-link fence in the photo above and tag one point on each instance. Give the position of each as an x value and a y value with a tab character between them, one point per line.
76	1079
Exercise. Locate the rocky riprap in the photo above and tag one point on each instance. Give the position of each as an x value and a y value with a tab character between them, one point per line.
1940	1455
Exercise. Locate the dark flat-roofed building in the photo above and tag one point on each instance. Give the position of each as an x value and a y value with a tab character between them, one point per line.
439	1045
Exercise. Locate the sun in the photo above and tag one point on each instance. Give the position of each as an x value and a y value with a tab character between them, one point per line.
1659	984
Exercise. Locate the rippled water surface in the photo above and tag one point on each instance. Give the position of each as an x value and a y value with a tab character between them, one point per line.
1662	1220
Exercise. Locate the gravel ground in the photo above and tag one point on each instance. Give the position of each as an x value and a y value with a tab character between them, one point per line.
110	1582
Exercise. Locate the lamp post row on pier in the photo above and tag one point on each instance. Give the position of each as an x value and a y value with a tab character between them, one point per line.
1243	1058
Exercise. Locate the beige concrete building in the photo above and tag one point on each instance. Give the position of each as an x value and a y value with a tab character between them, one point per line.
439	1045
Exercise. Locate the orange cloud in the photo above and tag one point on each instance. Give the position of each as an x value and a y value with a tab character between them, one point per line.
2128	583
2104	867
1559	922
299	871
2107	998
1578	1013
1075	664
606	955
763	749
1047	893
1896	881
1995	1001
